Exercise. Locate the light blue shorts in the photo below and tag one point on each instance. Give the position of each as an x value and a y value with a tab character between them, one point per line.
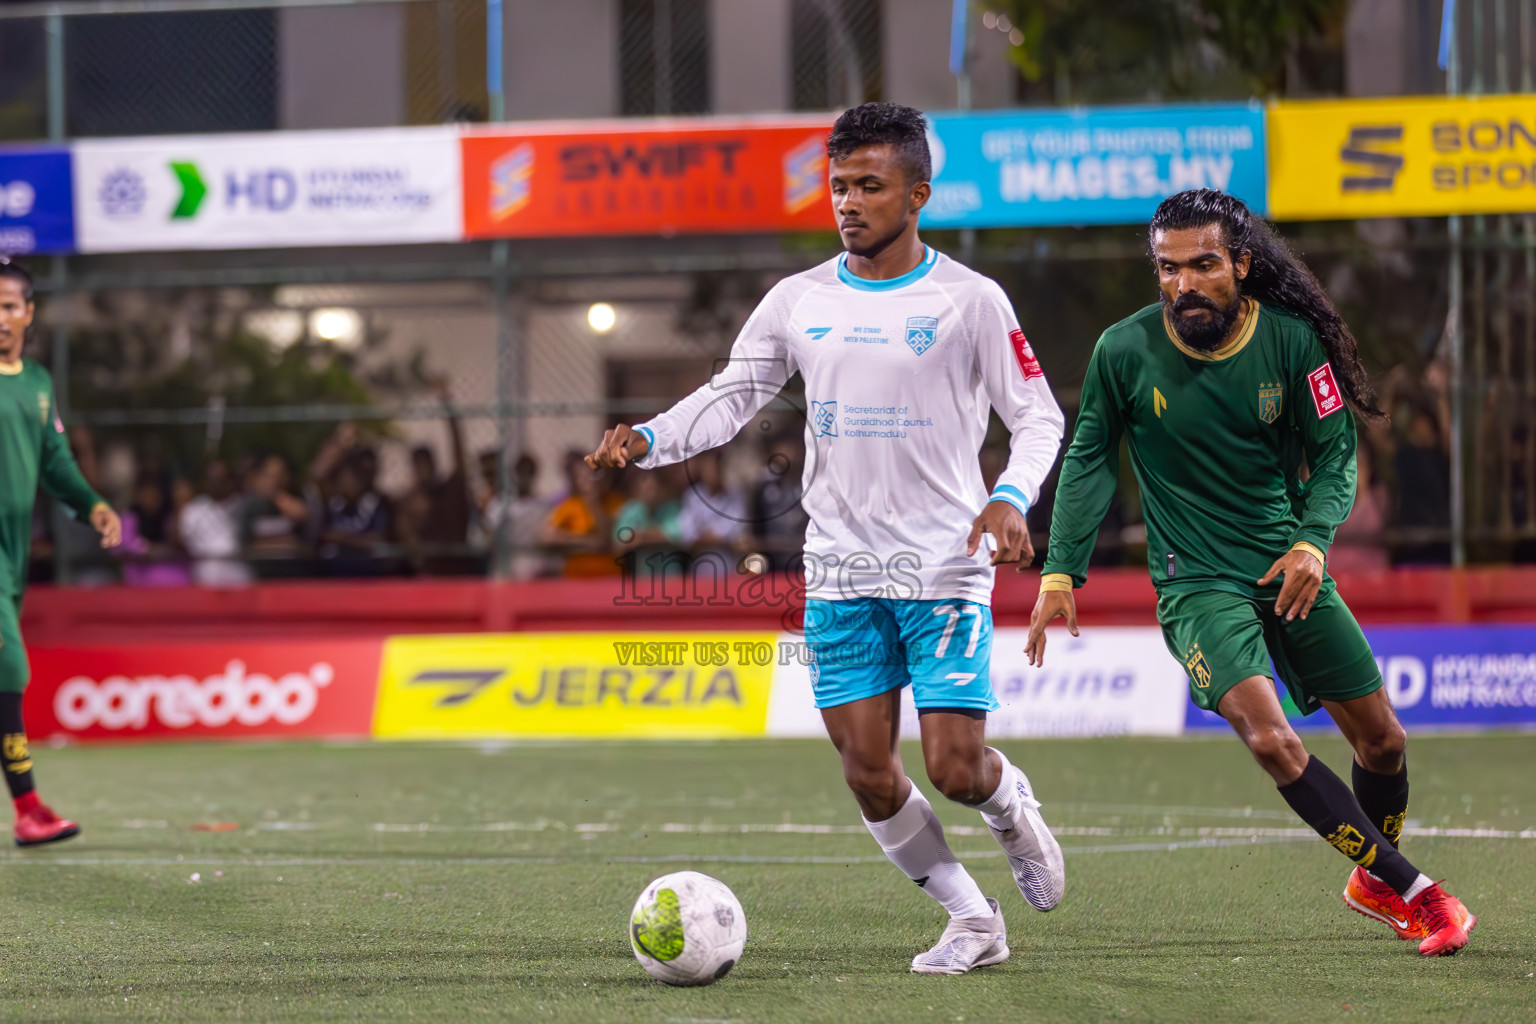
872	645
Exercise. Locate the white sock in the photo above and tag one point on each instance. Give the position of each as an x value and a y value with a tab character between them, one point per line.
914	840
997	809
1419	885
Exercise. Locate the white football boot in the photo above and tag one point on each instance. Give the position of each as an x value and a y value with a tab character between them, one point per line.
1032	851
965	945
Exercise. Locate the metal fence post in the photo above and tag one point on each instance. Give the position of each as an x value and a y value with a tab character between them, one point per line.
501	561
54	29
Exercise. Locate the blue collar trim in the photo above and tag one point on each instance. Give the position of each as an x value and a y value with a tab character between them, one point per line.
863	284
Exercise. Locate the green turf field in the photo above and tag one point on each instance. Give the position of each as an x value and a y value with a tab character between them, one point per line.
380	882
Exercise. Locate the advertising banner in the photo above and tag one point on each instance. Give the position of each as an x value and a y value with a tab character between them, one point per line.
1107	682
1422	156
639	178
361	187
36	204
1445	676
652	685
1084	166
203	690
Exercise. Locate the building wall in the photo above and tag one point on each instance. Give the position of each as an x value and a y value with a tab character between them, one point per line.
341	67
561	59
749	44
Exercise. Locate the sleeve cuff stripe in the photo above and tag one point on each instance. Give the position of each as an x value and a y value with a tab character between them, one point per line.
1022	506
1010	493
650	440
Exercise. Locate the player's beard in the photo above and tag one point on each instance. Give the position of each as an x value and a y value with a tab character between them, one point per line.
1204	333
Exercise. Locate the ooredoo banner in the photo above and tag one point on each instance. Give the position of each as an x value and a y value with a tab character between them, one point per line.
1402	157
652	685
359	187
634	177
1109	165
204	690
36	211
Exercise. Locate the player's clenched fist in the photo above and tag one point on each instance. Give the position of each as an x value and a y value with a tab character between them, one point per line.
620	445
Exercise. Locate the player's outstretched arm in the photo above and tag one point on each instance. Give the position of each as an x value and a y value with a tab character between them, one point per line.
620	446
1049	606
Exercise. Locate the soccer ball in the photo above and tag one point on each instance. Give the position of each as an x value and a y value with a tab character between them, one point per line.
687	929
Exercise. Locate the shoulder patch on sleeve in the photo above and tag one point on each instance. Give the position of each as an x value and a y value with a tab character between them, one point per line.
1024	354
1325	391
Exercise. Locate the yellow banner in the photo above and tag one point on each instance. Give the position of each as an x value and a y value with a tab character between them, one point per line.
653	685
1402	157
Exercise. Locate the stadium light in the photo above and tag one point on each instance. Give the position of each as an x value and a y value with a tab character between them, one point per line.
342	327
601	317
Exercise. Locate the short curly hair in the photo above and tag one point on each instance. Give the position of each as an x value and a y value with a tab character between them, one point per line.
905	129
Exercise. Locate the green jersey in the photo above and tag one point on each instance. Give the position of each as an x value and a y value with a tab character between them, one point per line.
33	450
1218	440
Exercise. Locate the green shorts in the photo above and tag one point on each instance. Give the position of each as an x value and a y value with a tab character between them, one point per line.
1222	639
15	672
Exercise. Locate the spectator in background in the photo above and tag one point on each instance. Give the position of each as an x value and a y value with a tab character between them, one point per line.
150	550
273	519
1357	546
581	526
1423	490
355	523
648	529
778	520
209	526
713	515
434	514
523	513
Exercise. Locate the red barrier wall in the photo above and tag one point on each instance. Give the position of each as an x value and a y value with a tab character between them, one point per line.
67	617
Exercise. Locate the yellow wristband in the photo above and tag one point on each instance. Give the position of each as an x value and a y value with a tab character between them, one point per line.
1055	581
1311	549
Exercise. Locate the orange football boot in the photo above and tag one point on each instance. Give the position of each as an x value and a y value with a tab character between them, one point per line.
1366	894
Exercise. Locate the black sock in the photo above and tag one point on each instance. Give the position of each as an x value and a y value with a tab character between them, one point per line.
1384	799
1321	799
15	758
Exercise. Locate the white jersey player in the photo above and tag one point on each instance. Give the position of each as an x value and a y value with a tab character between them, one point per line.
903	351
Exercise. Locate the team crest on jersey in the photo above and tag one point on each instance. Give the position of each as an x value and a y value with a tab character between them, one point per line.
824	414
1325	391
1199	669
1269	402
1028	364
922	332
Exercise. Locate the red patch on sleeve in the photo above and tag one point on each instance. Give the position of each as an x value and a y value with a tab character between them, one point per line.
1025	355
1325	391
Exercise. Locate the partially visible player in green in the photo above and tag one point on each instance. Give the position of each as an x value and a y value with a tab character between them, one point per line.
33	451
1235	395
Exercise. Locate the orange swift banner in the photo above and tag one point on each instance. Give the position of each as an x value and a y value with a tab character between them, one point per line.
665	177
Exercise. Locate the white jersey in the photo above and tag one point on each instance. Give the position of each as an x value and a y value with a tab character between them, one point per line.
898	375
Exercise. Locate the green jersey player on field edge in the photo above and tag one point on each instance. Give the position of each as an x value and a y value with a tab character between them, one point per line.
35	451
1236	395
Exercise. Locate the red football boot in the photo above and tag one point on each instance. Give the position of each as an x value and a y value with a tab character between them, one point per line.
1440	914
36	823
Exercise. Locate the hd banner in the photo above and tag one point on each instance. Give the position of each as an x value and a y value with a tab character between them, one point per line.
647	178
638	685
1407	157
1089	166
273	190
1453	677
36	209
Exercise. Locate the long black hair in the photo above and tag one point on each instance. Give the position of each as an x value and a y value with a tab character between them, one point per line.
1276	277
10	268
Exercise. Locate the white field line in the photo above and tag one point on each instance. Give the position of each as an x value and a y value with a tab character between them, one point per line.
679	858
